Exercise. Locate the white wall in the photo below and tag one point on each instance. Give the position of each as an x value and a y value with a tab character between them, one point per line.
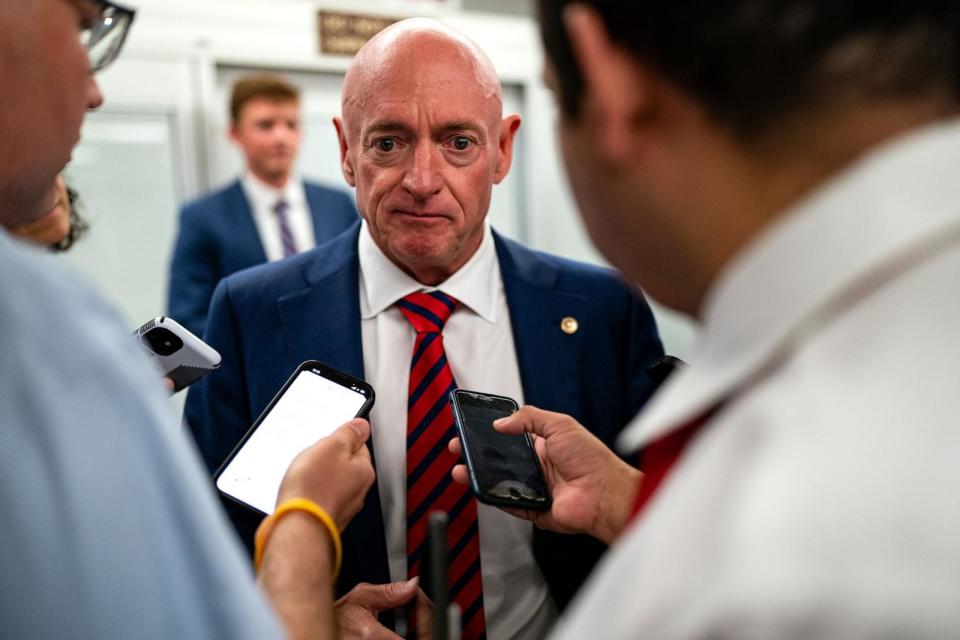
160	137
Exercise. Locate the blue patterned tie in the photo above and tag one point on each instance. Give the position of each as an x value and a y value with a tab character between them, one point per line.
286	235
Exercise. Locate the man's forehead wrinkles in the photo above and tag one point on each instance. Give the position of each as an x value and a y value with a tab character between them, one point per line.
440	107
435	128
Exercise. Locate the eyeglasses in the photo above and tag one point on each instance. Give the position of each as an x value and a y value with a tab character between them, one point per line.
104	38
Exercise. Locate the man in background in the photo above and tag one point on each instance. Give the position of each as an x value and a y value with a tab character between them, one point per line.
785	170
423	138
267	214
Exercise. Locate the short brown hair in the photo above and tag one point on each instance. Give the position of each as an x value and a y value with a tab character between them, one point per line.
750	63
263	85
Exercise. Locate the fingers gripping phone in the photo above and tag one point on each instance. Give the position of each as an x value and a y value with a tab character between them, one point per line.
177	353
504	470
312	404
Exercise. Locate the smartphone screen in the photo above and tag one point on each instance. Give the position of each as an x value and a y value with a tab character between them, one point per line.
313	404
504	469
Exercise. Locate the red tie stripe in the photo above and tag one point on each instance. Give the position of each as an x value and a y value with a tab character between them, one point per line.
659	457
429	485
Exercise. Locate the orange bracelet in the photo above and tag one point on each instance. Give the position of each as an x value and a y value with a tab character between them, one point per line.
298	504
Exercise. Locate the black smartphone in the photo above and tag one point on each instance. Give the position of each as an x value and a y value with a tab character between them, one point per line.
504	469
312	404
177	353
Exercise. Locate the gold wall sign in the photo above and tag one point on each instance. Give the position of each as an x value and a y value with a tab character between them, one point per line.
344	33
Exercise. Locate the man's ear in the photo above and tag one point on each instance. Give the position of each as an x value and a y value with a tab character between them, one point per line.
618	88
508	132
346	162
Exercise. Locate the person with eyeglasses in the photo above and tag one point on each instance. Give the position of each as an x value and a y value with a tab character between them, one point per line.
109	528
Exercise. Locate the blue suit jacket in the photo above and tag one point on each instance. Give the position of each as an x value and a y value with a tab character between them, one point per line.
218	236
267	320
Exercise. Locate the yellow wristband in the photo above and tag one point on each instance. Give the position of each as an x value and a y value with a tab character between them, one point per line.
298	504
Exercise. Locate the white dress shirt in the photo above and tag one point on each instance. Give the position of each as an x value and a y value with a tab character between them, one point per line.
478	341
263	198
821	501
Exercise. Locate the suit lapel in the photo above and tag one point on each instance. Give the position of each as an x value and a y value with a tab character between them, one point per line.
549	358
317	328
244	229
322	322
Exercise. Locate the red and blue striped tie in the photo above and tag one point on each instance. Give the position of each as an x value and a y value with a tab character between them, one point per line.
429	485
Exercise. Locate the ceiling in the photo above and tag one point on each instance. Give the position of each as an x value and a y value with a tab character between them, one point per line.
512	7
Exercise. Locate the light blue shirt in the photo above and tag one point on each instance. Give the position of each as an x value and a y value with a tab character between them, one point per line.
108	527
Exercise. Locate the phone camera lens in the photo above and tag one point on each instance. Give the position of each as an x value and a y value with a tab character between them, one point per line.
162	341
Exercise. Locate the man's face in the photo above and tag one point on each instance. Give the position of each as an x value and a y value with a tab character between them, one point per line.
47	87
621	206
590	182
268	133
424	144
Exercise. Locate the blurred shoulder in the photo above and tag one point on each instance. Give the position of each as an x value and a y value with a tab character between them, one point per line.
211	201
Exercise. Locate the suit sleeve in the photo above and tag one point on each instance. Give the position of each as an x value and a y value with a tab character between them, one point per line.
194	272
217	408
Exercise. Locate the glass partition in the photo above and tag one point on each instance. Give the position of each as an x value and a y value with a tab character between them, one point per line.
126	174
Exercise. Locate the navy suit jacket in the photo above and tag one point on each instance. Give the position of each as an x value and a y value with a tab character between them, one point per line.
267	320
218	236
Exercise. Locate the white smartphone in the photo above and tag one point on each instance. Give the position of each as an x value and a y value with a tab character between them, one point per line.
176	353
312	404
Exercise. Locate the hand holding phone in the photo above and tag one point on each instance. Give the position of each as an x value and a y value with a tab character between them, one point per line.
177	354
335	472
504	470
314	402
593	490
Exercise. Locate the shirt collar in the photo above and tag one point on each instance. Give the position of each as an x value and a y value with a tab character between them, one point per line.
476	284
265	196
895	197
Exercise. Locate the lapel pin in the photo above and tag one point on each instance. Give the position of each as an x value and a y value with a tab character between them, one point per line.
569	325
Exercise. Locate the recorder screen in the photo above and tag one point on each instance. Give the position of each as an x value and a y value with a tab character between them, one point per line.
312	407
505	464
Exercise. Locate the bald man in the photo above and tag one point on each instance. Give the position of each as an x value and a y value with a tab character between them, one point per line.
423	139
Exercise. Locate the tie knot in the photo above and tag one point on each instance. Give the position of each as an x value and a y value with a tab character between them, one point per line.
281	208
427	312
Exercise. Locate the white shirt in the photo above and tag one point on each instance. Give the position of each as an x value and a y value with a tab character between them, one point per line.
478	341
263	199
822	500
